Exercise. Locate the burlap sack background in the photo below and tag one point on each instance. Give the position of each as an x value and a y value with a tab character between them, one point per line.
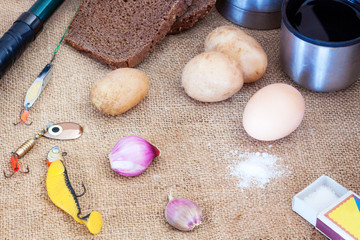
195	139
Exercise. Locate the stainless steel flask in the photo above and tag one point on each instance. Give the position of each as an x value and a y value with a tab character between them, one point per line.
255	14
322	66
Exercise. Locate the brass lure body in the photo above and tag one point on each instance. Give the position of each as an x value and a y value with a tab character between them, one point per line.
22	150
63	195
29	144
60	131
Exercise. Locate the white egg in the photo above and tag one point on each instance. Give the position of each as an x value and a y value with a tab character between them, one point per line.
273	112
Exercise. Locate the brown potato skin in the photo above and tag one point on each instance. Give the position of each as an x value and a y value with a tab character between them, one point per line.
242	47
119	91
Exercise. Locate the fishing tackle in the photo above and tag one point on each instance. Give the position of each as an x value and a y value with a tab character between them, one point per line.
60	131
39	84
63	195
15	166
34	92
22	150
23	116
24	31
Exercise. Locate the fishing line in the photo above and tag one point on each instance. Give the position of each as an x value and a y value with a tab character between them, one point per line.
40	82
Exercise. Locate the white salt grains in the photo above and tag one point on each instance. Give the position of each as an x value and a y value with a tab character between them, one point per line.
321	198
255	169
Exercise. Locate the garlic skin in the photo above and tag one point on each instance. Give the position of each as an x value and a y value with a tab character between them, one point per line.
183	214
132	155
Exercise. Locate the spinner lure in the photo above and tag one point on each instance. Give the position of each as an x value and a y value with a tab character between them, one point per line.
60	131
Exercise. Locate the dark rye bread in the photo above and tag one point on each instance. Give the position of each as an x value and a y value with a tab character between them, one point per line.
197	11
121	33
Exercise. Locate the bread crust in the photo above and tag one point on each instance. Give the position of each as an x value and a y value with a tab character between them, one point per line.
74	36
197	12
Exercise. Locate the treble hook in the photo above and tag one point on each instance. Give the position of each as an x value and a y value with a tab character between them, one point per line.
15	166
10	175
23	117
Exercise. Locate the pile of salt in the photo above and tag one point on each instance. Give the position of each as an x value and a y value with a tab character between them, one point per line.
321	198
256	169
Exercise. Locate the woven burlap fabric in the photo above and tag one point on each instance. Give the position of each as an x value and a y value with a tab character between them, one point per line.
195	140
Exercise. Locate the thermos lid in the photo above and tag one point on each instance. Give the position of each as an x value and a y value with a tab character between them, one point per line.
263	15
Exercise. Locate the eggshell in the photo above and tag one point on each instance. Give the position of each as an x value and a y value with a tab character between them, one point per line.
212	77
273	112
119	90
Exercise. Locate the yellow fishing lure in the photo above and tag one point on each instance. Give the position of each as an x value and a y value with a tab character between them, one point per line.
63	195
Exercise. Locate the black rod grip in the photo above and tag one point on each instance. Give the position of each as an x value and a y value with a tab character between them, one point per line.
14	42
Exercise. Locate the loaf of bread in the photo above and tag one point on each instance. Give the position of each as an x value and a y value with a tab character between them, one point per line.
121	33
198	10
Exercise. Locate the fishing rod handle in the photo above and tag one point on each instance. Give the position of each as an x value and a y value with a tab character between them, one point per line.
14	42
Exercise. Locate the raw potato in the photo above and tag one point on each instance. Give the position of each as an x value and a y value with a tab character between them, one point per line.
119	90
212	77
245	49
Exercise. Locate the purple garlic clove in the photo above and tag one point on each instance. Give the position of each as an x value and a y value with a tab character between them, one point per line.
183	214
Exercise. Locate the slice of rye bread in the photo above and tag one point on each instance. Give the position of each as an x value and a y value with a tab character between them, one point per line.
197	11
121	33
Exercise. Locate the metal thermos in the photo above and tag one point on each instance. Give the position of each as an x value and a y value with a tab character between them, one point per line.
255	14
318	65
